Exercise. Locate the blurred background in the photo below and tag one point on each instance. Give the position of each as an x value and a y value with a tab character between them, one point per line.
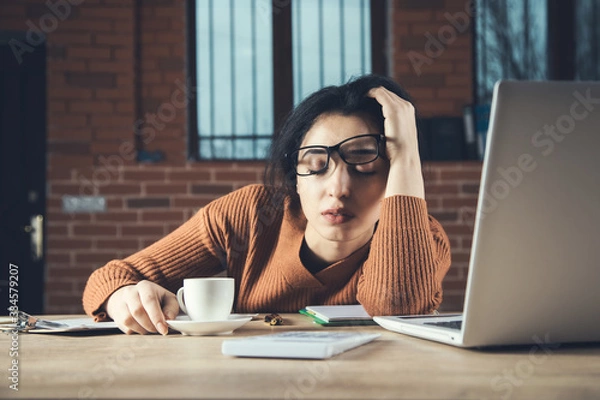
119	119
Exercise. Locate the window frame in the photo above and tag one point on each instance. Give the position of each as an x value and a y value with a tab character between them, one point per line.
560	48
283	83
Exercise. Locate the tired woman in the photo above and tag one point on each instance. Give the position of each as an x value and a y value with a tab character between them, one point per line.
340	219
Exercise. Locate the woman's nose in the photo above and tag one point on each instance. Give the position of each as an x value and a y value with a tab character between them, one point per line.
339	181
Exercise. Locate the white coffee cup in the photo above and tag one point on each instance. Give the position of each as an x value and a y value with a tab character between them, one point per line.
207	299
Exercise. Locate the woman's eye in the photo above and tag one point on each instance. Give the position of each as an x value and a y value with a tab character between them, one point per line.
312	164
317	164
367	169
312	160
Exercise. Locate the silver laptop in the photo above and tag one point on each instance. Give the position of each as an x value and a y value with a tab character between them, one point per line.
534	272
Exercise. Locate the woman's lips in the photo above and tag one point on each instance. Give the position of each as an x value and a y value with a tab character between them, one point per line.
337	215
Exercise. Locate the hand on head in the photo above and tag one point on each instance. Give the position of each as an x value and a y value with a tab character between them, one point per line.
142	308
399	124
402	145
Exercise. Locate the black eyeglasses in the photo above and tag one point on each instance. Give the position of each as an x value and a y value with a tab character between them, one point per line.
356	150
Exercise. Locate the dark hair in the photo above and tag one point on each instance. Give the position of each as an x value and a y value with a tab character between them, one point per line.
347	99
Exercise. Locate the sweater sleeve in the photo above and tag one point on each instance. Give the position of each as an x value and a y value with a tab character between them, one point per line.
408	259
193	249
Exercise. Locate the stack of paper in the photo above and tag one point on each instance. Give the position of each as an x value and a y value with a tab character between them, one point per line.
7	324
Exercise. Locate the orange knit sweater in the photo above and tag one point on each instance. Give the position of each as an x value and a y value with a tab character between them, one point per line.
255	234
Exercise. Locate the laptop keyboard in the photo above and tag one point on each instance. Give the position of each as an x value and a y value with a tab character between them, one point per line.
446	324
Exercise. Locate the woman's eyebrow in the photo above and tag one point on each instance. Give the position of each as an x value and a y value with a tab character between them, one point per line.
318	150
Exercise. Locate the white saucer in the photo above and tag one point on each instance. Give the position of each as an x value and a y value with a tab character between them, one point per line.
186	326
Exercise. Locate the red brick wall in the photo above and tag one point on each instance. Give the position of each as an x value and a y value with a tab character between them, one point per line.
431	45
98	90
451	190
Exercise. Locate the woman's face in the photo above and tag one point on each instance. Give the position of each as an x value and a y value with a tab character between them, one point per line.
342	203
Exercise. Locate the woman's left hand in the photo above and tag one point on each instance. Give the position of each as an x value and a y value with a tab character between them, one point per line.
400	125
402	146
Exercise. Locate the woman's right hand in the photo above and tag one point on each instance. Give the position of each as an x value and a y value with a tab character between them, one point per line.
142	308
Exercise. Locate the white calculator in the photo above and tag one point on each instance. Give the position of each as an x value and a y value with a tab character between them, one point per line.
296	344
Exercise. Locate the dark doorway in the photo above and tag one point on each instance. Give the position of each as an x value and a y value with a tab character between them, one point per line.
22	174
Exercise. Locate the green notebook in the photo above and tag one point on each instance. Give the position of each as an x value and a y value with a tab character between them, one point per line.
344	315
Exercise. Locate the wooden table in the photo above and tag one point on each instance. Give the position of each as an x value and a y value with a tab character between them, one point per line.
393	367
